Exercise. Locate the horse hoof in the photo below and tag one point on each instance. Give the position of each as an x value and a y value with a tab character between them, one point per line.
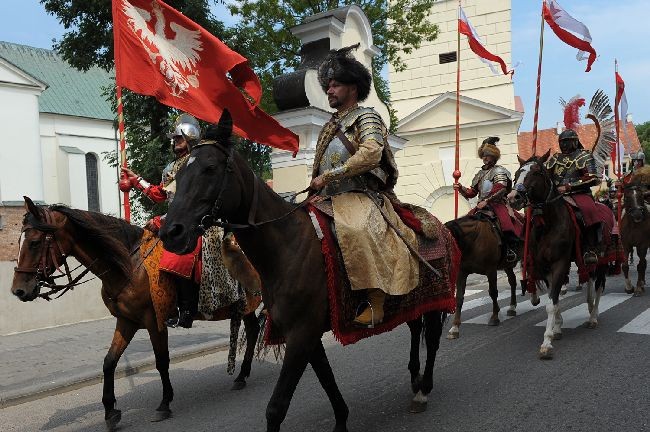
112	419
238	385
418	407
563	292
161	415
493	322
546	353
453	335
629	291
511	313
579	288
340	428
557	336
590	324
638	293
535	301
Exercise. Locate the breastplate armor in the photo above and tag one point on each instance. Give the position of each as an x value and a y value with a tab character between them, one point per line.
484	180
567	168
335	156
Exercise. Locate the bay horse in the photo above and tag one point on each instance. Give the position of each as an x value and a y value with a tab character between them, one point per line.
552	244
109	248
217	183
479	241
635	233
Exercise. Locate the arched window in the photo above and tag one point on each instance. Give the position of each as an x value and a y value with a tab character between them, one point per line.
92	181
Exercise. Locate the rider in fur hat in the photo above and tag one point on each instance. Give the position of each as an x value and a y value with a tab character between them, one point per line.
492	183
354	173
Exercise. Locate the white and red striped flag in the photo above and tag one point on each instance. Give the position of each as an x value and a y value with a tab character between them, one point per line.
620	110
477	45
564	26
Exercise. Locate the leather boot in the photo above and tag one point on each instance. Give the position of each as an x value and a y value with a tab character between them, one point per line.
373	314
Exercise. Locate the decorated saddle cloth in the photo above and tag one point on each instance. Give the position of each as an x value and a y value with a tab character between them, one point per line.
432	293
163	289
508	219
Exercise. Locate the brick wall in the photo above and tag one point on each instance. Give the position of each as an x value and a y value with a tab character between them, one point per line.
12	222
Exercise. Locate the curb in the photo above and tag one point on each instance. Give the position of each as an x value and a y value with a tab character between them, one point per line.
77	382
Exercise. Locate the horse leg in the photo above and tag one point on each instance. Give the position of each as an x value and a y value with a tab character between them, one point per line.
599	288
433	323
554	317
296	356
626	271
323	370
160	345
124	332
640	268
252	328
461	282
512	281
494	295
415	327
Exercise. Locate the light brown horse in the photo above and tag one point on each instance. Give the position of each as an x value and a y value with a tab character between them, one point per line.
482	252
109	248
635	233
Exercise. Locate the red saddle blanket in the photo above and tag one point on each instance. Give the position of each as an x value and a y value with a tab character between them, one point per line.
433	293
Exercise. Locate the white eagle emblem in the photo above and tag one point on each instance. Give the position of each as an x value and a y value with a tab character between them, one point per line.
177	57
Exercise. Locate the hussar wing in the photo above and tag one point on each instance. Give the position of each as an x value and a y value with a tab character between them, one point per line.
600	112
137	19
184	48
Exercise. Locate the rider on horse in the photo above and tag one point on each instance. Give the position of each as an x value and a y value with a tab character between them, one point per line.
355	171
492	183
574	173
187	132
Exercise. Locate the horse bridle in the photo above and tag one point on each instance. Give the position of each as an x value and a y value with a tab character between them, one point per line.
521	189
51	259
642	208
213	218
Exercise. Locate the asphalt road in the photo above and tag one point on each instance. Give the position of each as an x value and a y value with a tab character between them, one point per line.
488	380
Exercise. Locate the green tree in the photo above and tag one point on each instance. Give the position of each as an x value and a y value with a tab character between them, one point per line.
398	27
643	132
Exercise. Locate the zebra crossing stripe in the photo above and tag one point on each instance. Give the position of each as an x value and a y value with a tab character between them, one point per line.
576	316
471	292
639	325
522	308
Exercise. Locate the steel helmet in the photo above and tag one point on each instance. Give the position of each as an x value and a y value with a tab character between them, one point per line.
187	127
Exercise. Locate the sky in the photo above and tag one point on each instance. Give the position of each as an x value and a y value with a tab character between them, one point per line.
617	28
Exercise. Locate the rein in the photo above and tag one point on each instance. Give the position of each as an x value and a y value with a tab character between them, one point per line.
213	219
51	259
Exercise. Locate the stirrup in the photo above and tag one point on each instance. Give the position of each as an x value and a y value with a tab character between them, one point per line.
511	255
372	316
590	258
172	322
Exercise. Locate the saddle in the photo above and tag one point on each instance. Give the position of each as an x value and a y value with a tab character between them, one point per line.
432	293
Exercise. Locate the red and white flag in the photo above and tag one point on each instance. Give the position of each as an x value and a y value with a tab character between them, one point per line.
620	110
160	52
477	45
564	26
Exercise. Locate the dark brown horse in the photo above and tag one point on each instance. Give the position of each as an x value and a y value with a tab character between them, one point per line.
635	233
552	245
481	246
109	248
217	183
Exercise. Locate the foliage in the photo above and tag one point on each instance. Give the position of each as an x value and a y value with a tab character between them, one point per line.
398	26
643	131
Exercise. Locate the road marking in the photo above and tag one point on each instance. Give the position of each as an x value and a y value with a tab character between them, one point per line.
639	325
575	316
522	308
471	292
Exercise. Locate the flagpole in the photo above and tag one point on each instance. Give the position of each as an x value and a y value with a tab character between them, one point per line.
535	125
456	174
617	168
120	121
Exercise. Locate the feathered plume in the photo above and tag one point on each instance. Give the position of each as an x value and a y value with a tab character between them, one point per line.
600	112
572	111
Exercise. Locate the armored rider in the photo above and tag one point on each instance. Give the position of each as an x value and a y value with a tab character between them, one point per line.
186	132
574	173
355	171
492	183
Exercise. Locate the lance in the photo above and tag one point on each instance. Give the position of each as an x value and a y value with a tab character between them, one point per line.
617	168
456	174
534	148
120	121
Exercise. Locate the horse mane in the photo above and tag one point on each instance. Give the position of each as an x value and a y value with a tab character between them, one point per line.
112	238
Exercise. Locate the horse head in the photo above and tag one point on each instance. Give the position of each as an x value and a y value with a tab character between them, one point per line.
208	188
42	245
634	202
533	183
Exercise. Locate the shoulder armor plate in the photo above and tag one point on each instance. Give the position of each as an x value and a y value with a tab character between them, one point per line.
367	114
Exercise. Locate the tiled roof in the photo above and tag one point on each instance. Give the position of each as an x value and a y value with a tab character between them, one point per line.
70	91
547	139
